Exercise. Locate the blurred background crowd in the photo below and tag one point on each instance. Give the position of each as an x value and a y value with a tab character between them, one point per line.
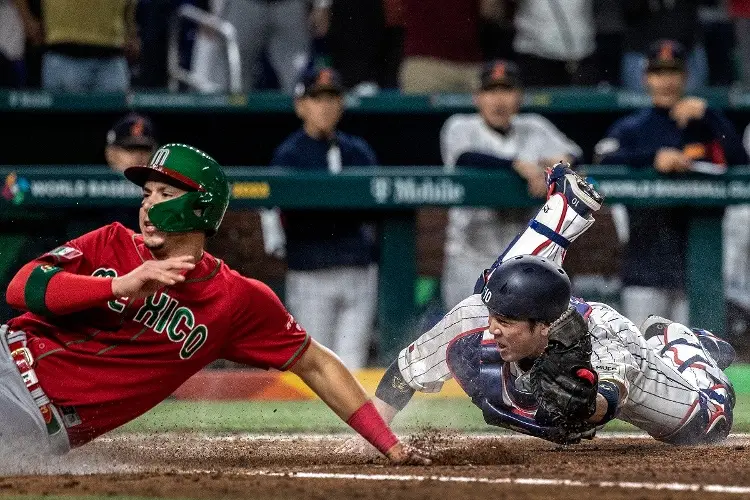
411	45
325	263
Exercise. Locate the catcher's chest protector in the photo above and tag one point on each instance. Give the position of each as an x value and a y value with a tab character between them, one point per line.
481	372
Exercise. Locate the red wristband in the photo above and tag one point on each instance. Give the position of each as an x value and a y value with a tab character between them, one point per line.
371	426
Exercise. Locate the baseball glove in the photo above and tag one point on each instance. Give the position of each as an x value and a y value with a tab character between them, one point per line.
562	379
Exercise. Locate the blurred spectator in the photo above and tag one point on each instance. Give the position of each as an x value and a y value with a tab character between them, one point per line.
718	42
736	229
497	137
555	41
441	44
370	65
154	18
279	27
647	21
130	142
496	32
331	284
11	45
610	28
86	41
31	12
739	10
676	135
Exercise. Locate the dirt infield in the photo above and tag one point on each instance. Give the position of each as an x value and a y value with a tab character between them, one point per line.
231	466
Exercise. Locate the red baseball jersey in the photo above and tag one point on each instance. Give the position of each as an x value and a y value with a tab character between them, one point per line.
107	365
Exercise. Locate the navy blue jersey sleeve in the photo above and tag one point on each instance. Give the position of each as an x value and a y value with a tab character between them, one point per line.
620	147
365	152
283	155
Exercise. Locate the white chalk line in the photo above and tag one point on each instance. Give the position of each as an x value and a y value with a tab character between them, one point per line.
631	485
521	481
245	437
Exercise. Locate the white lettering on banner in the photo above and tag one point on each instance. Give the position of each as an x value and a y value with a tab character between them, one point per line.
444	191
58	189
414	191
81	188
34	100
380	189
640	189
176	100
113	189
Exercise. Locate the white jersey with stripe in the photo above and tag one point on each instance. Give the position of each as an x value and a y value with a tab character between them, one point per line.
658	398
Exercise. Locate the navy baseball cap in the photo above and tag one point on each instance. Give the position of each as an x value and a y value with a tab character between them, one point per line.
317	80
500	73
132	131
666	54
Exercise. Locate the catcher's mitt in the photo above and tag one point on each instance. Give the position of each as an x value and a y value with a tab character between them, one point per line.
562	378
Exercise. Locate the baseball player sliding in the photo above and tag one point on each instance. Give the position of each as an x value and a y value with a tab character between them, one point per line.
537	361
116	321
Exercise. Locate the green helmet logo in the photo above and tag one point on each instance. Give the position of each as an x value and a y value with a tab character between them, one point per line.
203	206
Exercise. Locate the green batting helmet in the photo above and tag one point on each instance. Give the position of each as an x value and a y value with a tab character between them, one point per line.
202	207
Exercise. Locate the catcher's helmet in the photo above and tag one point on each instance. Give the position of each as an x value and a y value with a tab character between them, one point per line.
200	209
527	287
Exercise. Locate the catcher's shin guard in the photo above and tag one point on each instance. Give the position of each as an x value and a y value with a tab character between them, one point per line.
720	350
683	349
564	217
550	232
710	423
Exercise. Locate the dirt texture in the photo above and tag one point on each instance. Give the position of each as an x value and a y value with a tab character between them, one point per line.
233	466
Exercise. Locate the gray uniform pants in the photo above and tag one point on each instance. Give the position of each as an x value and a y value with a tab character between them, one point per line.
337	308
280	27
23	433
639	302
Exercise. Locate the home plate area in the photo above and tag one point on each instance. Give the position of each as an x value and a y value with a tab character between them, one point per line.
615	466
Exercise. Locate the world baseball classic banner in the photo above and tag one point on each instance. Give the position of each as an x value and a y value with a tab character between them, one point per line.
372	188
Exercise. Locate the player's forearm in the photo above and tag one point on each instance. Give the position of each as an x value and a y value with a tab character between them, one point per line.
607	400
46	289
393	393
601	409
326	375
386	411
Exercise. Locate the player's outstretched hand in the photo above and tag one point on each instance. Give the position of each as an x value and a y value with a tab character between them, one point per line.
404	454
149	277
